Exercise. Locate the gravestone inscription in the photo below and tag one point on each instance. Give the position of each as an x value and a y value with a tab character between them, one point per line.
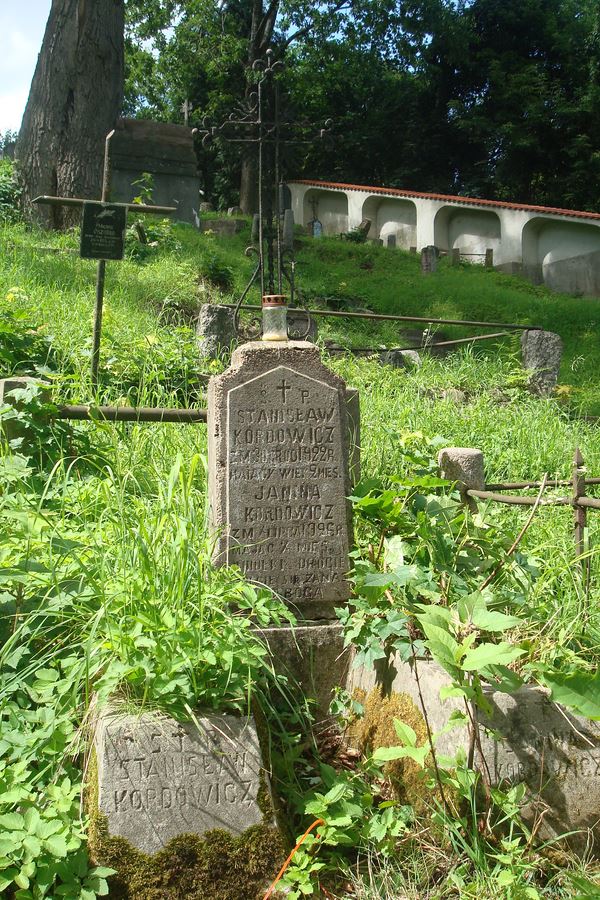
103	231
159	778
279	480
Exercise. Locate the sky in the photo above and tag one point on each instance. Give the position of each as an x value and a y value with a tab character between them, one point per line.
22	25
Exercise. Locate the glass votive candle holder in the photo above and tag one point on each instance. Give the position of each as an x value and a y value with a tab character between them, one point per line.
274	317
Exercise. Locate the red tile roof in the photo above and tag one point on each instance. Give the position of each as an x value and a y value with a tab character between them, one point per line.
470	201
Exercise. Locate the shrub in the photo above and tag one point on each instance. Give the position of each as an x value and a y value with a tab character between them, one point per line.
9	192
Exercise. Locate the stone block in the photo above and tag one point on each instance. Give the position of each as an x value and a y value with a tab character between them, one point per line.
556	753
400	359
315	658
159	778
215	330
465	465
542	355
227	227
279	473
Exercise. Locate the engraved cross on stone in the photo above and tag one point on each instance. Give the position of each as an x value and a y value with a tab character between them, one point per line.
284	387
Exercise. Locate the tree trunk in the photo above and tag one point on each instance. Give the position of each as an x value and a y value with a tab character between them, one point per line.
74	101
249	182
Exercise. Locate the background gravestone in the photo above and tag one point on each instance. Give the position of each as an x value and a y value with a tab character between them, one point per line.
215	331
542	354
279	473
159	778
167	153
555	752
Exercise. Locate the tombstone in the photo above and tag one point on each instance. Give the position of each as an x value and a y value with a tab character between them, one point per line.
224	227
542	354
235	211
429	259
391	240
184	803
456	256
555	752
285	197
288	230
206	207
279	474
489	258
215	331
167	153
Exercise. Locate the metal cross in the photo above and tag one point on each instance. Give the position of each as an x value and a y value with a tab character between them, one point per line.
258	121
101	271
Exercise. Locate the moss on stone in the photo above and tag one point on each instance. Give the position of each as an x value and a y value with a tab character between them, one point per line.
214	866
375	729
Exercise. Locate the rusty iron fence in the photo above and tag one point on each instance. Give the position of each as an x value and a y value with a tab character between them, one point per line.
502	329
577	499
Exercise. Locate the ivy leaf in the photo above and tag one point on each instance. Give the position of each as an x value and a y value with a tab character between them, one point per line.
491	655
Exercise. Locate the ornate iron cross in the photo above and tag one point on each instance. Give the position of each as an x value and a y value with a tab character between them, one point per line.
258	121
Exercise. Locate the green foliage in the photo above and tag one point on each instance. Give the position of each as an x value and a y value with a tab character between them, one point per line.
9	192
217	271
24	349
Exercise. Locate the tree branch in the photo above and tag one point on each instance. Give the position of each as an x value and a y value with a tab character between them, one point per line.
301	32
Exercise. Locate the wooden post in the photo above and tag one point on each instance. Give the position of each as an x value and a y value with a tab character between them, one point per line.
489	258
455	256
579	512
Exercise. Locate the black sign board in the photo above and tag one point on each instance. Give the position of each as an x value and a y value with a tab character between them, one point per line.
103	231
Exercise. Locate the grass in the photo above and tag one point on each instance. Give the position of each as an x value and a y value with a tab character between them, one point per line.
127	520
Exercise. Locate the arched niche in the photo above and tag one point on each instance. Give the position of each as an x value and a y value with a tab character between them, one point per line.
331	208
392	216
564	255
472	231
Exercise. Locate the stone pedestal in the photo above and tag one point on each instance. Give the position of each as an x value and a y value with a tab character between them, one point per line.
279	474
314	657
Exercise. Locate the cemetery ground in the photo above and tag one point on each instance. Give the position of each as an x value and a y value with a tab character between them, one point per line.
107	587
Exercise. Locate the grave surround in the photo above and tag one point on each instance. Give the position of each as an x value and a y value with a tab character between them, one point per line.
279	473
159	778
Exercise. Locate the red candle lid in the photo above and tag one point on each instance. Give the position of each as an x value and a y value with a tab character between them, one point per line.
274	300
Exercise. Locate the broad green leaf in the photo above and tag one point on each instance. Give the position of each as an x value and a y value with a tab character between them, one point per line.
491	655
336	793
57	845
406	734
489	620
580	691
394	552
12	821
